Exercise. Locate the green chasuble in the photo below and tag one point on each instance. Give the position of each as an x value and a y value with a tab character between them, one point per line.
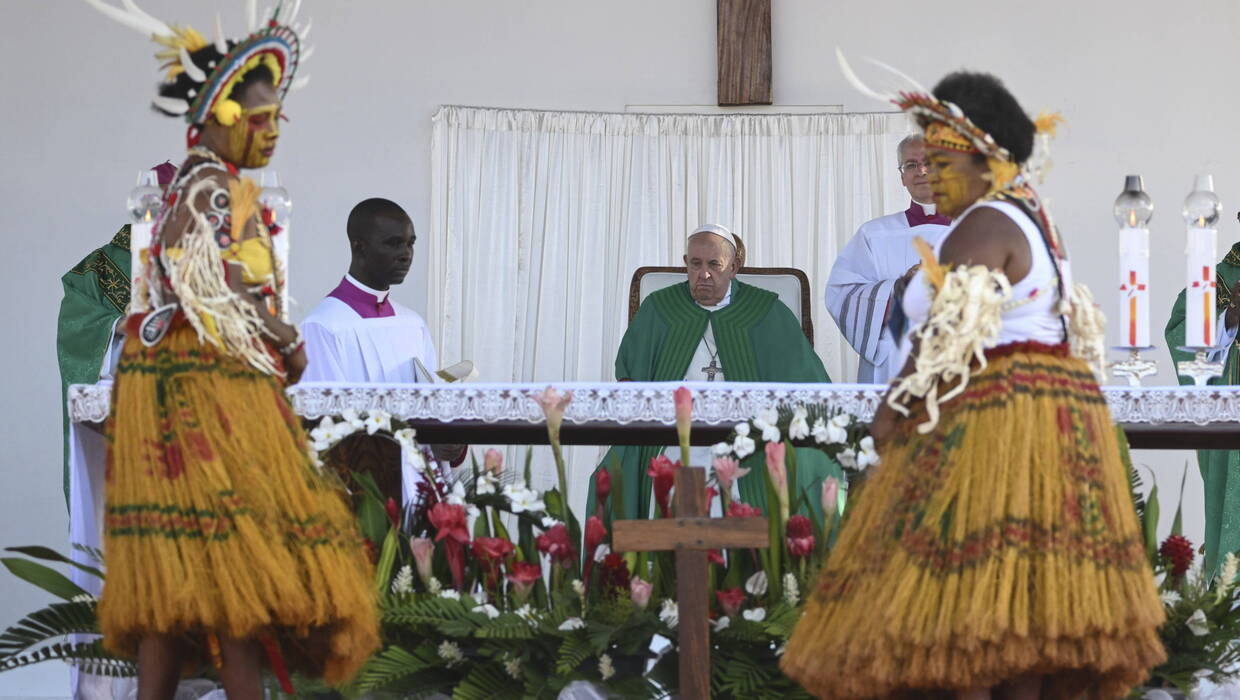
96	294
758	339
1220	469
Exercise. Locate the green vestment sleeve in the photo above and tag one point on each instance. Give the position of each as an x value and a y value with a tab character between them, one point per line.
1220	469
96	292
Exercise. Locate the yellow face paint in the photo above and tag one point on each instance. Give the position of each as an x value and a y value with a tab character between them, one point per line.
952	181
252	138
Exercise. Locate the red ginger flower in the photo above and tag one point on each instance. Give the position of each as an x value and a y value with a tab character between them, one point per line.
523	575
450	522
663	472
602	486
730	600
741	510
555	544
1179	552
492	549
615	574
800	534
595	533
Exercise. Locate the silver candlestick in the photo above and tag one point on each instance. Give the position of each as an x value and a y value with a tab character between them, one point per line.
1200	368
1134	368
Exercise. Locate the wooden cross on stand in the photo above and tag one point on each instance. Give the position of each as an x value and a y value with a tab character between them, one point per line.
744	52
691	534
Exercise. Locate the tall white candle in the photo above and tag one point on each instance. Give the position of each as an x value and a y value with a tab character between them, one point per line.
1201	215
1134	287
1133	211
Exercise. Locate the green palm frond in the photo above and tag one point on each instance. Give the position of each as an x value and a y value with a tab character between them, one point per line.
90	657
56	620
486	681
573	652
394	664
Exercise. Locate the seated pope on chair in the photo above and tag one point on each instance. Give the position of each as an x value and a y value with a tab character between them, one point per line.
713	327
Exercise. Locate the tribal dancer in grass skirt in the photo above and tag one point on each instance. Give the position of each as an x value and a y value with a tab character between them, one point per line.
223	541
995	552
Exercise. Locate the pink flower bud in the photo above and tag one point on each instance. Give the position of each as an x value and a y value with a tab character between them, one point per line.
423	551
493	461
639	591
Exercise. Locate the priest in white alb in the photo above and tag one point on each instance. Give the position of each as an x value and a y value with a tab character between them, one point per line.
359	335
870	274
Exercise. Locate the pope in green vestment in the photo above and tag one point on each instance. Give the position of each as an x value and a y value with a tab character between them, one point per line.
1220	469
96	294
758	340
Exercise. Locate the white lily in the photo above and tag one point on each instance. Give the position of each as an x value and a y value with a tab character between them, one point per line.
490	610
819	431
572	623
722	623
837	428
601	553
756	585
377	420
847	458
522	499
743	447
868	456
1197	623
754	614
771	434
798	429
405	436
549	522
742	429
721	449
484	485
456	497
669	614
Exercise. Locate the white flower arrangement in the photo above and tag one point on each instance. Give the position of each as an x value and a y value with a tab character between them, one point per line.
450	652
792	593
512	666
571	624
487	609
402	583
838	434
605	667
754	614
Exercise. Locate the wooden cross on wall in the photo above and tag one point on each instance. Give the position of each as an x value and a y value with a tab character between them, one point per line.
744	52
691	534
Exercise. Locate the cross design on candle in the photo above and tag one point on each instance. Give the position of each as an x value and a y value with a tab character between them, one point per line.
1207	285
1132	287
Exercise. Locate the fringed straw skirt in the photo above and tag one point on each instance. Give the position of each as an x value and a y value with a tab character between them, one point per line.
1003	544
217	523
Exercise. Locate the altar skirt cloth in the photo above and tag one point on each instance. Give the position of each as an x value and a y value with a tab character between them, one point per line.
1002	544
217	521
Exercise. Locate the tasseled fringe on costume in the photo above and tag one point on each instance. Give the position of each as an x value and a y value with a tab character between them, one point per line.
1002	545
218	315
217	521
1087	327
965	316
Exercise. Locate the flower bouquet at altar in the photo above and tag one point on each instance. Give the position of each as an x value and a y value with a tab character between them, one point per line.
489	588
1202	631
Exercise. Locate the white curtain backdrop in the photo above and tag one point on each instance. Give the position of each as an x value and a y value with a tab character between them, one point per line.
538	220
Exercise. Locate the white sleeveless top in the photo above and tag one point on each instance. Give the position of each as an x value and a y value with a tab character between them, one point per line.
1038	320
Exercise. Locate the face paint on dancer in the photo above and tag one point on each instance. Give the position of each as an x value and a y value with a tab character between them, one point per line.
252	137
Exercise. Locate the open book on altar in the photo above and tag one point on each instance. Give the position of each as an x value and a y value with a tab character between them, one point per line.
462	371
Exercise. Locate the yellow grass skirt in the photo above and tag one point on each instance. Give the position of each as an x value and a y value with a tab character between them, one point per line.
217	522
1002	544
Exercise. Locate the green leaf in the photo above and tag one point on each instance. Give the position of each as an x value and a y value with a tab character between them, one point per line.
55	621
1177	525
89	657
486	681
529	460
47	554
387	557
1149	524
372	517
573	652
394	663
49	580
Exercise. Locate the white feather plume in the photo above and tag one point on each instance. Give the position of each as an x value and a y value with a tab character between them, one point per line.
292	14
916	85
855	81
305	56
221	44
302	34
251	15
143	24
299	83
194	72
170	105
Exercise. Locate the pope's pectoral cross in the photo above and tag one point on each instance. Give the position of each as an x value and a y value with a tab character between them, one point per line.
691	534
712	369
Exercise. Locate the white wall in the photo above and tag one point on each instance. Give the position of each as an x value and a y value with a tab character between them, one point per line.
1146	87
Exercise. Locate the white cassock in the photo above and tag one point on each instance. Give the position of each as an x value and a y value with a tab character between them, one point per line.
358	335
859	289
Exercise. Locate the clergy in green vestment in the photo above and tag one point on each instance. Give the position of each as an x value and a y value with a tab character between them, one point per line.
1220	469
713	327
96	294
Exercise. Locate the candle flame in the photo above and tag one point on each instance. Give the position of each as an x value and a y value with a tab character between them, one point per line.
1132	219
